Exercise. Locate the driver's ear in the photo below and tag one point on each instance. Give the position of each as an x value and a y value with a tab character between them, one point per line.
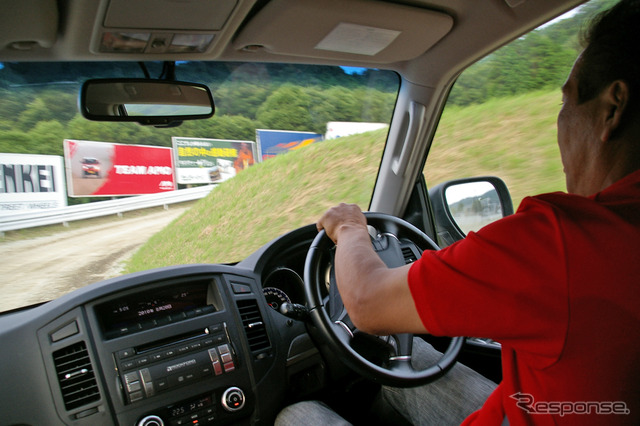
613	104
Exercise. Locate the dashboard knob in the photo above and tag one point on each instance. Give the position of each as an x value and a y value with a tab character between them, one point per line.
233	399
151	421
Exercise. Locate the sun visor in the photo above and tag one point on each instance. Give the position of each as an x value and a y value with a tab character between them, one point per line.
26	24
353	30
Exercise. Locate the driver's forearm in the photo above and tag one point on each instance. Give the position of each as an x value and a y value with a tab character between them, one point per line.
377	298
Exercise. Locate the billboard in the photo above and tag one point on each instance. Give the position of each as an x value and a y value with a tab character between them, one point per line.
31	182
337	129
98	169
211	160
274	142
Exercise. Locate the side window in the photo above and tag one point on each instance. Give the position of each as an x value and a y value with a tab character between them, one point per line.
500	118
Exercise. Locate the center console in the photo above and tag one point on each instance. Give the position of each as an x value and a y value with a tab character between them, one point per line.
171	355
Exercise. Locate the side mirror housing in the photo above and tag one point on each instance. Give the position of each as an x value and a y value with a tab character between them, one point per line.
465	205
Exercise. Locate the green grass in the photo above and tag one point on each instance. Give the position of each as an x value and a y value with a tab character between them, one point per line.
267	200
514	139
511	138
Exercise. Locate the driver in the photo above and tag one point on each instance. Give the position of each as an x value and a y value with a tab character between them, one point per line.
556	283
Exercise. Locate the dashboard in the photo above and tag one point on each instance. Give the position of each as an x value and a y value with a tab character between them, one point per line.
191	344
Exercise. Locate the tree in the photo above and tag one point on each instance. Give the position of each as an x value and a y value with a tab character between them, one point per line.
47	137
50	105
232	127
288	108
15	141
240	99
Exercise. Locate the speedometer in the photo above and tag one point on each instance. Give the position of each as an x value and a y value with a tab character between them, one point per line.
275	297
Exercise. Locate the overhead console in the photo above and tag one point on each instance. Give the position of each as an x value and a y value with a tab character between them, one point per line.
166	26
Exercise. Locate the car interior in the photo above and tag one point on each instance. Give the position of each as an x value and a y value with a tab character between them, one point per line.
234	342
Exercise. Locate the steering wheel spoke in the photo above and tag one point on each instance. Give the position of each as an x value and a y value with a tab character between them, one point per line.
402	365
404	345
331	319
343	332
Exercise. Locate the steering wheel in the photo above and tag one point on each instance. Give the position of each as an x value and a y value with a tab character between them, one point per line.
332	321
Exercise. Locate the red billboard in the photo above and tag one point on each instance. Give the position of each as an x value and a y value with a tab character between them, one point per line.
110	169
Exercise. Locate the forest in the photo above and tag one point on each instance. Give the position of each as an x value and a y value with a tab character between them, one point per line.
37	115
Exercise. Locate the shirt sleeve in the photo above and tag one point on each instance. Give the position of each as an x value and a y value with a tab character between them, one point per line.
507	282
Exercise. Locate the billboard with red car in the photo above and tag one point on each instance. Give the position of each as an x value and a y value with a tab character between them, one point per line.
111	169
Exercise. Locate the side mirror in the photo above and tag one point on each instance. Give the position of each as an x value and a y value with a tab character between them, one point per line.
149	102
464	205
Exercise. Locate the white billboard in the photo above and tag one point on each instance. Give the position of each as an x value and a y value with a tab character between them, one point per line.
338	129
31	182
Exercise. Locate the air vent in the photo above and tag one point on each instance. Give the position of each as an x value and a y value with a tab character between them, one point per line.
409	256
253	325
75	375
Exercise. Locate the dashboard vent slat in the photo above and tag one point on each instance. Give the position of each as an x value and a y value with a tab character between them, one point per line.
75	376
253	325
408	255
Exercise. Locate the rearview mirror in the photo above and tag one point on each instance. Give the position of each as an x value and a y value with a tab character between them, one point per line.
149	102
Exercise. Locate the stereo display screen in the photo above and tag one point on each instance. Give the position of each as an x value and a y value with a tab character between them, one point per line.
142	311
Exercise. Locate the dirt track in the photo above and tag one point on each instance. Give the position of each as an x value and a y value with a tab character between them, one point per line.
57	264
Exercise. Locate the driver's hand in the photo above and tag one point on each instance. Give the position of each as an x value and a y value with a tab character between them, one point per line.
337	218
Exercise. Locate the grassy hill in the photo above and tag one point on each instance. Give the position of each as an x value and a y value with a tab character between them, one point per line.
511	138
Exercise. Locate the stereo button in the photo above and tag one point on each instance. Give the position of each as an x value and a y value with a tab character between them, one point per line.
226	357
136	396
134	386
162	384
128	365
175	380
217	367
206	371
126	353
216	328
131	378
146	381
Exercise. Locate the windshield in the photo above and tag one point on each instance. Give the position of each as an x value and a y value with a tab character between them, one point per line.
82	201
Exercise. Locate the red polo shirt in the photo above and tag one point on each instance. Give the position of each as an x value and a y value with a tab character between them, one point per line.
558	285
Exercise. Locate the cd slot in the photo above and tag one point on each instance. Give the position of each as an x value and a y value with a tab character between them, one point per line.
173	340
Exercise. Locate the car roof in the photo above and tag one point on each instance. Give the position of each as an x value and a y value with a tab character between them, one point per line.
426	41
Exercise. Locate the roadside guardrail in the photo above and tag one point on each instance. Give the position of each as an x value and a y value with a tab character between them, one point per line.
68	214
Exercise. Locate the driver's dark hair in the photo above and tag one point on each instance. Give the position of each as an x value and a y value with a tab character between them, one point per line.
611	52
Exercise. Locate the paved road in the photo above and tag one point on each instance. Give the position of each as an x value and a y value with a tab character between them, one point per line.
57	264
